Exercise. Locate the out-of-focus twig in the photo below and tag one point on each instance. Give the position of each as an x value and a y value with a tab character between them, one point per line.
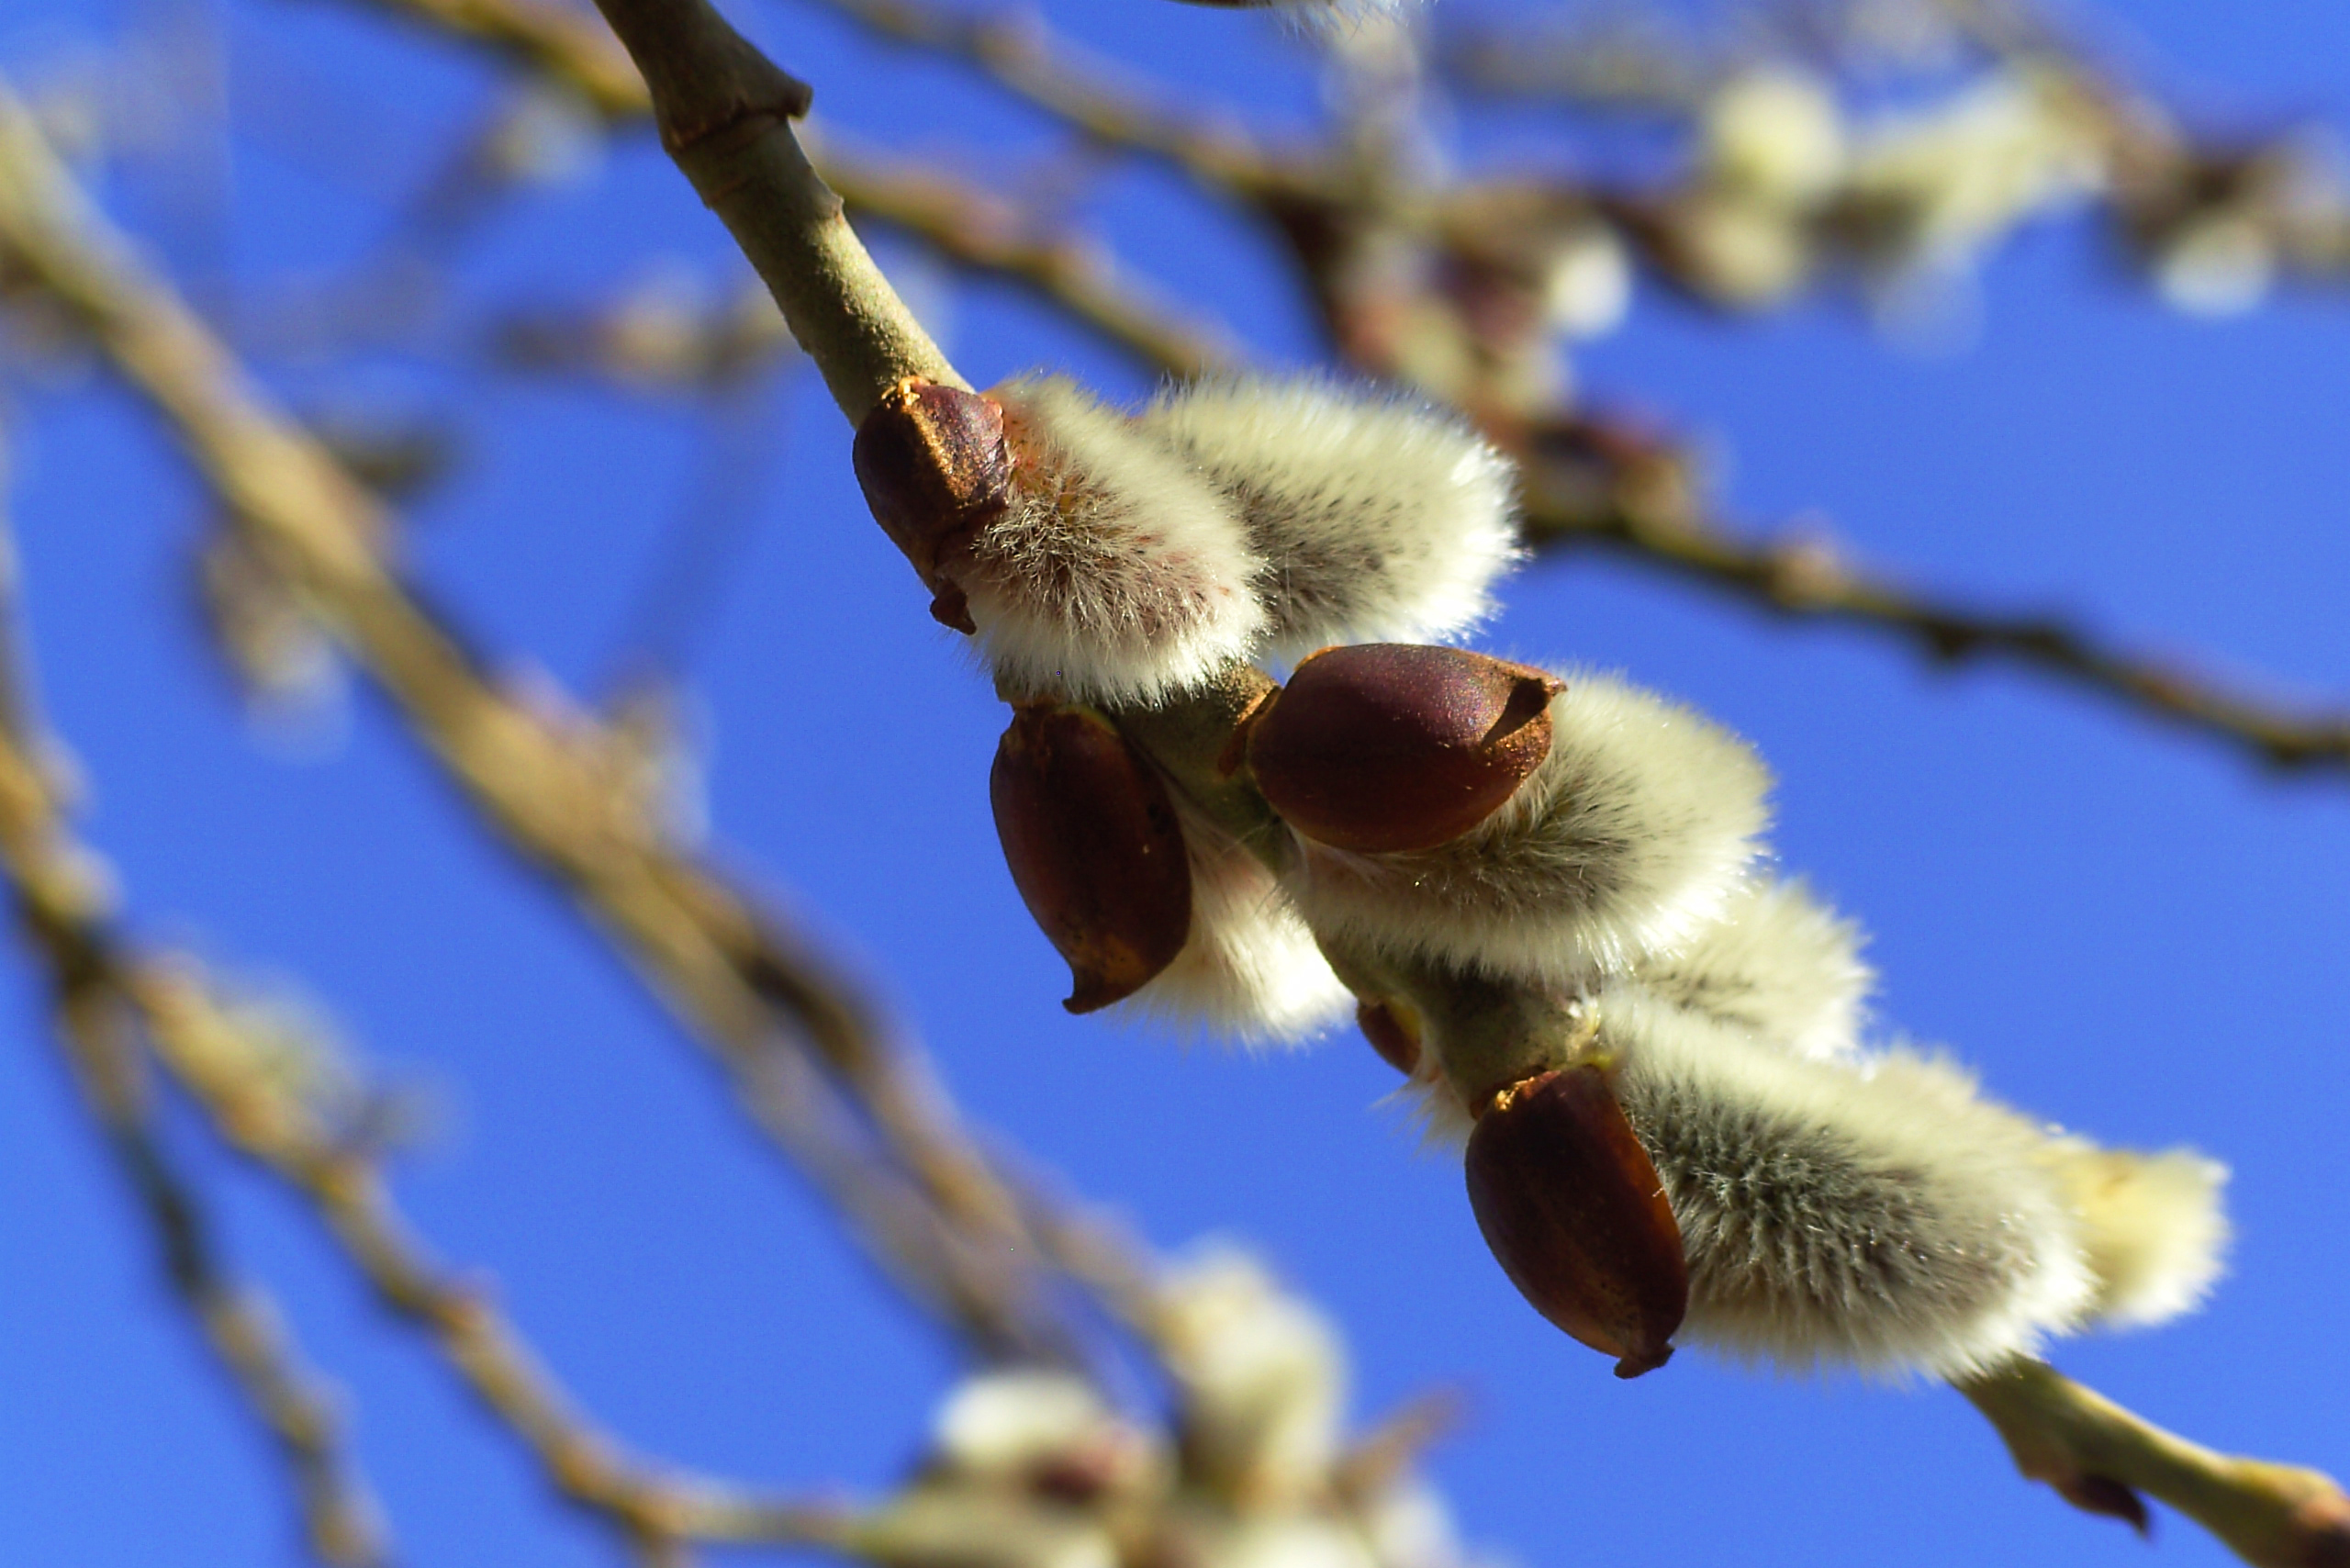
197	1038
1088	93
552	781
2100	1457
944	213
101	989
563	42
1078	276
1804	578
58	898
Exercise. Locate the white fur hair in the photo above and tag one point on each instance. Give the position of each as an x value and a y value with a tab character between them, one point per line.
1628	841
1116	573
1875	1213
1377	519
1248	968
1779	965
1434	1108
2155	1235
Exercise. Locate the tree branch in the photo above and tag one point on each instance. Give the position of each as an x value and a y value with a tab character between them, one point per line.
2100	1456
58	898
1076	274
198	1038
723	111
1083	92
101	987
1628	495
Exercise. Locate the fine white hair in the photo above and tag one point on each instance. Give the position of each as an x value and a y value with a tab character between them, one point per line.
1434	1108
1115	573
1877	1213
1627	841
1779	965
2152	1224
1248	968
1377	518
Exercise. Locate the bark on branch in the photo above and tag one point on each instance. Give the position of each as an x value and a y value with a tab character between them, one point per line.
2098	1457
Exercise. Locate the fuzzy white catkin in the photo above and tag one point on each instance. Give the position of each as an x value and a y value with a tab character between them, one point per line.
1248	969
1006	1423
2151	1222
1775	135
1376	518
2013	145
1779	965
1876	1215
1628	841
1260	1375
1116	573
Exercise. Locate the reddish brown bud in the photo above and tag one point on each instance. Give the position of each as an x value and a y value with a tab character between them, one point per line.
934	466
1390	1035
1390	746
2094	1493
1094	849
1575	1213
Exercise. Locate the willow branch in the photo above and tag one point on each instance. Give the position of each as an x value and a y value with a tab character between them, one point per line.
1075	273
552	782
58	901
1082	91
195	1037
2098	1456
100	987
557	41
723	111
1802	579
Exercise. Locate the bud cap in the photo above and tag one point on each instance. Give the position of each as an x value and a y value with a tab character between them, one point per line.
1094	849
1576	1214
1390	747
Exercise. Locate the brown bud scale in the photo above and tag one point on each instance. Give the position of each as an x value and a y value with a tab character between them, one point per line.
1397	1043
1094	849
1389	747
934	467
1576	1214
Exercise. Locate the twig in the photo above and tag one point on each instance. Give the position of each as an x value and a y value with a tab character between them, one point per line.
556	39
1077	274
2100	1456
1804	579
1084	92
664	36
58	899
195	1035
98	987
101	988
723	111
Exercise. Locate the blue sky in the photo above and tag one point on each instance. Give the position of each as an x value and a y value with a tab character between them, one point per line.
2128	930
